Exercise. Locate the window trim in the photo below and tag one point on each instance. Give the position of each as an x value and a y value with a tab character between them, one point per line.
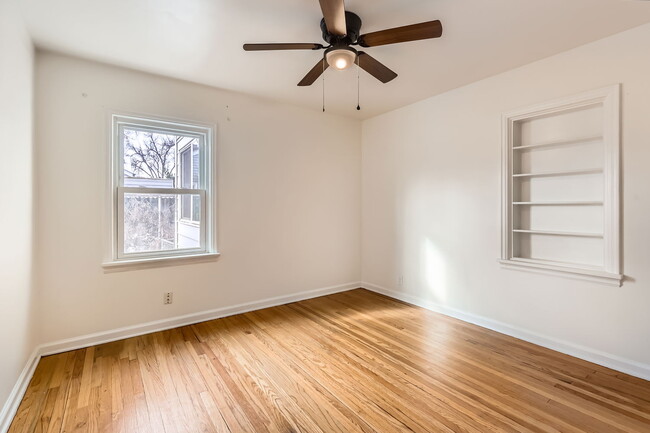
610	273
114	256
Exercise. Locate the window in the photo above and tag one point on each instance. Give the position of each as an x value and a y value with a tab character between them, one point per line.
162	190
561	187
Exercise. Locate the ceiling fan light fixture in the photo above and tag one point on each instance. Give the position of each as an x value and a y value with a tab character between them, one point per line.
341	58
341	29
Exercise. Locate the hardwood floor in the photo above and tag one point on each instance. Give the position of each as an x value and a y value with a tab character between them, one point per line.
350	362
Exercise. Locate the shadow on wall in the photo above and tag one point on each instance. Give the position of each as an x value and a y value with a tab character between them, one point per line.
19	310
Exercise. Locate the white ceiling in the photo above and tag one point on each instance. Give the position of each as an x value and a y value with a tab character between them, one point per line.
200	41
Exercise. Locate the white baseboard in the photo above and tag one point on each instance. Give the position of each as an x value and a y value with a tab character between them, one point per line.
11	406
15	397
189	319
614	362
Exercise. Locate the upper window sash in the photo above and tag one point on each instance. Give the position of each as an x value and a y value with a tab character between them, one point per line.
119	155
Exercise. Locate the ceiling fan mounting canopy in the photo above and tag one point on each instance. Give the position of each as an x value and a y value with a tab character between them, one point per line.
341	29
353	27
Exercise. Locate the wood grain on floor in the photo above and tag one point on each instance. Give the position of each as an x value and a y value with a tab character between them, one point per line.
350	362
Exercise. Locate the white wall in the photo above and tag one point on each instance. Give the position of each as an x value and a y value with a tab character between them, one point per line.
16	297
431	202
289	194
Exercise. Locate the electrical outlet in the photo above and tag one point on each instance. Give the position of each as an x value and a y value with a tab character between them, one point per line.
168	298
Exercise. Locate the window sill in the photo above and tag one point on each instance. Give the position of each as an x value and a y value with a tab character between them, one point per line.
578	273
156	262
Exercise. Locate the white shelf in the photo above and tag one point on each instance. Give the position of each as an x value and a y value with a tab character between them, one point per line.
555	233
560	173
558	203
559	142
587	273
556	263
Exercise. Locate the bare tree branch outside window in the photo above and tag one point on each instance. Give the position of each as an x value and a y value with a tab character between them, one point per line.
151	155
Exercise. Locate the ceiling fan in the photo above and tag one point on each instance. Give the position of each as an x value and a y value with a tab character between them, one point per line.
341	30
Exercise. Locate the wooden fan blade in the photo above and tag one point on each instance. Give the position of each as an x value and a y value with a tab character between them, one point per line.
414	32
375	68
315	72
334	14
267	47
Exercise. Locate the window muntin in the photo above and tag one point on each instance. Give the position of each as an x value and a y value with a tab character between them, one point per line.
161	189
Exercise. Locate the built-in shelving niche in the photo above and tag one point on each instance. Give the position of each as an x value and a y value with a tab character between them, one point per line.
561	187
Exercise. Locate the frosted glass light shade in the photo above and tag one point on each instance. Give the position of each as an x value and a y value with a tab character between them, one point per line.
341	59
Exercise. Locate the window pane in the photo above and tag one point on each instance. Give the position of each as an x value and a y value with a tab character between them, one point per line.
190	209
196	209
195	164
186	168
152	223
150	158
186	207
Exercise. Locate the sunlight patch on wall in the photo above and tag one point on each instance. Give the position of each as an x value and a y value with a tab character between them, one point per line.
433	269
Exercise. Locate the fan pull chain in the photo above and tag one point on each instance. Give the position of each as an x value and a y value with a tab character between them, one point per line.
358	85
323	63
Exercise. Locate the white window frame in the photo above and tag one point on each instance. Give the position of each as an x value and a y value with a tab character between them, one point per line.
116	257
609	99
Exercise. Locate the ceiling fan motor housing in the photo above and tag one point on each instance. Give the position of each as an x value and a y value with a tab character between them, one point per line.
353	26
